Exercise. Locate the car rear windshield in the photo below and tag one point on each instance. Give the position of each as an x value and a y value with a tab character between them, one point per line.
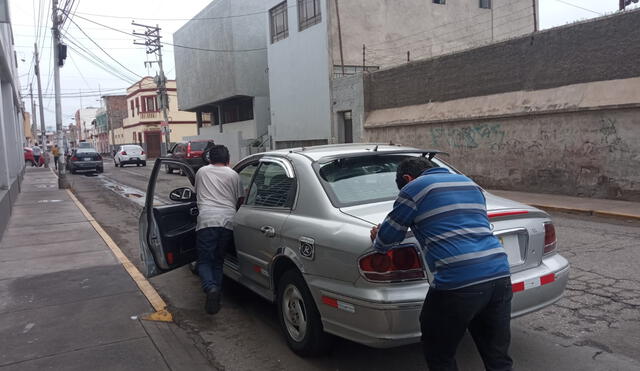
132	148
198	146
86	150
360	180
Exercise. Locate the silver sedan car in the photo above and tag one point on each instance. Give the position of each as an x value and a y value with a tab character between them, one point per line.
302	241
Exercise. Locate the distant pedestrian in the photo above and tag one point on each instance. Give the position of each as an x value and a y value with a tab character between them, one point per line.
37	152
55	151
220	195
471	289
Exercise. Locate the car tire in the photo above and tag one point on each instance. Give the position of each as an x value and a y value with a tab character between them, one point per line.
168	170
144	164
299	317
100	170
73	171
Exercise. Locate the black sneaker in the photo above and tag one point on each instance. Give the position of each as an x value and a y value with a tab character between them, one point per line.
212	305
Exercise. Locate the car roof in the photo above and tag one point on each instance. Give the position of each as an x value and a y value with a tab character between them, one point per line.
316	153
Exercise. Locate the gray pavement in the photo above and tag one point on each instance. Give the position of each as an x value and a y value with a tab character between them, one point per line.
66	303
586	205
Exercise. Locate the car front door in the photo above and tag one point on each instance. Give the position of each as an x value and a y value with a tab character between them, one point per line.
167	224
258	223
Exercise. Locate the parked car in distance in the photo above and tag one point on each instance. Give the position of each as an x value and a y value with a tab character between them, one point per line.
84	159
190	152
302	241
130	154
29	159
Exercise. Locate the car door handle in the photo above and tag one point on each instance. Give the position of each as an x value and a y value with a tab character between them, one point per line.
268	231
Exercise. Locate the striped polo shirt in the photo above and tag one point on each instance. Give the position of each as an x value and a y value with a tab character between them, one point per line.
448	215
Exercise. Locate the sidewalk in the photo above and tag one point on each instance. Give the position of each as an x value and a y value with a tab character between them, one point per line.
591	206
66	302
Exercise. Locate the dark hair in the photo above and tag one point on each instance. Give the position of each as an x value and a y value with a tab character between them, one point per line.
413	166
218	154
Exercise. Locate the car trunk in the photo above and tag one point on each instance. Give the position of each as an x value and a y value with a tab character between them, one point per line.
519	227
88	156
133	152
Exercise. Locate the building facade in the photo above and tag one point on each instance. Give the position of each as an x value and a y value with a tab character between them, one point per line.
12	135
84	118
143	123
313	44
114	114
288	59
232	88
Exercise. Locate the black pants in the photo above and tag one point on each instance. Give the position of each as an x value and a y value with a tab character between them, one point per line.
55	161
484	309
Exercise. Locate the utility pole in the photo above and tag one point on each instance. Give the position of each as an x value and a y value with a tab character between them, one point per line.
34	115
55	33
154	46
43	131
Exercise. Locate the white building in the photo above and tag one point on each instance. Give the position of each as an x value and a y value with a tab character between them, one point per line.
12	137
84	118
313	45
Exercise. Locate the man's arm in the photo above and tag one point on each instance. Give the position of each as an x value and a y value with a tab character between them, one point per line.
394	228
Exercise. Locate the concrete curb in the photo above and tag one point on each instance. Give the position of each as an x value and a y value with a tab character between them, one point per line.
591	212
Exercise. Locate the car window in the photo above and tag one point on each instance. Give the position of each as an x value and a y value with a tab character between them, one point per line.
364	179
246	174
271	187
198	146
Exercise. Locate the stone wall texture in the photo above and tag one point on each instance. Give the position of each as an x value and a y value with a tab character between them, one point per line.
538	118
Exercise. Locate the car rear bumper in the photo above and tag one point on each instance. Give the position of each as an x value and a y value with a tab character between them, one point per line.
86	165
133	160
382	318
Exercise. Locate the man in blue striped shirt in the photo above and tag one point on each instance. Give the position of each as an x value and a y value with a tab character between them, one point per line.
471	289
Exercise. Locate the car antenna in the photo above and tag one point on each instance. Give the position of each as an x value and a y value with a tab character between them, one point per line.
375	149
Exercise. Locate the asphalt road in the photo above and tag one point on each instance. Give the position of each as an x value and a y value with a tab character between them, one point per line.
596	326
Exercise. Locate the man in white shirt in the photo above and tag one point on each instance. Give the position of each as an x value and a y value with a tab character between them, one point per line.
219	197
37	152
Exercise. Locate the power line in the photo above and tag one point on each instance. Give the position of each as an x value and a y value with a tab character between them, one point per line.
177	45
106	68
104	51
579	7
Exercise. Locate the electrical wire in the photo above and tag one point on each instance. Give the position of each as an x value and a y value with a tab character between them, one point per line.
104	51
98	63
176	45
579	7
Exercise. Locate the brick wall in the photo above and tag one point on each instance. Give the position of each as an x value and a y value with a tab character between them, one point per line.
604	49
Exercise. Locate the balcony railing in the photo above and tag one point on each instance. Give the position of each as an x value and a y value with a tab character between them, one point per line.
149	115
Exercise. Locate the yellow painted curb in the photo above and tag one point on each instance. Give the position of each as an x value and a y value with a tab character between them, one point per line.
161	314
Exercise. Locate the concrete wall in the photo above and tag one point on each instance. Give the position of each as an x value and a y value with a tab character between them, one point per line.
587	153
348	95
205	77
299	75
602	49
12	136
390	28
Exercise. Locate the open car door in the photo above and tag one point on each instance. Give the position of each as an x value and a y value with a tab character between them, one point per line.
167	225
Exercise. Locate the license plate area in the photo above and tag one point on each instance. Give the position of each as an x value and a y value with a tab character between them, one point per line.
515	242
86	159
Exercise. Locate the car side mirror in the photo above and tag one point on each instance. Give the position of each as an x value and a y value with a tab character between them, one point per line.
183	194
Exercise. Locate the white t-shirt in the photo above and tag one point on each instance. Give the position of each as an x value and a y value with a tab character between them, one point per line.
36	151
218	189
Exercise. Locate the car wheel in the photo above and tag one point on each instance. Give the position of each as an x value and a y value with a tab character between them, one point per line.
299	317
100	170
168	170
144	164
73	171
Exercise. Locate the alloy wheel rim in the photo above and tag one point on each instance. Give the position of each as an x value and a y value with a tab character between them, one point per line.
294	313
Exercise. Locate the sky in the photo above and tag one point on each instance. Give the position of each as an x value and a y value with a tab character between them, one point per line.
82	82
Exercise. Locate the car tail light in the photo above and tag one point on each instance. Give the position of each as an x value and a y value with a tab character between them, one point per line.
124	153
188	150
74	158
549	238
399	264
142	153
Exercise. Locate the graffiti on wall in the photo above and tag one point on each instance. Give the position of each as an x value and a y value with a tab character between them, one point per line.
468	137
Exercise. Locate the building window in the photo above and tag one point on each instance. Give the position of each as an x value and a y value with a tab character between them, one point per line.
279	22
485	4
308	13
133	111
150	103
439	2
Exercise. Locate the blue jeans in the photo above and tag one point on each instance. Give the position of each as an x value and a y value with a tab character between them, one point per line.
484	309
212	244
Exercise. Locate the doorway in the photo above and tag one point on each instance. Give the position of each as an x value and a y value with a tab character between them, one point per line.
153	141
